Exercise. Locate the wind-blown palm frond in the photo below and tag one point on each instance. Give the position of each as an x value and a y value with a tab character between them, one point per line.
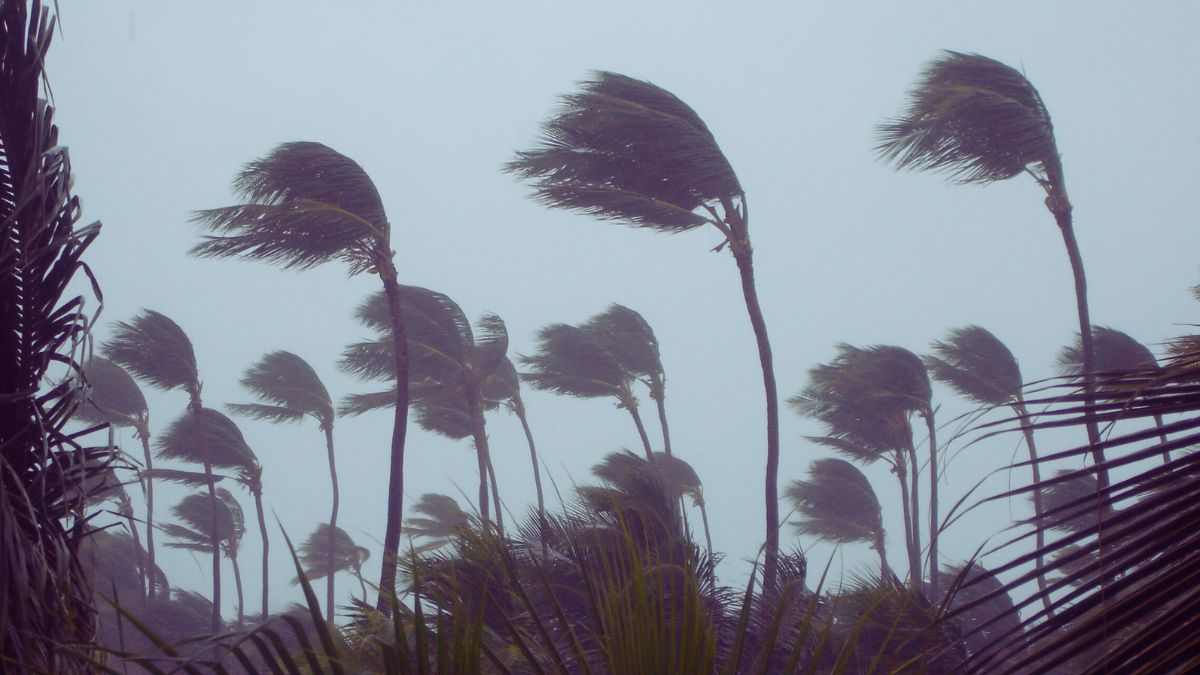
442	519
112	396
977	365
1116	352
314	552
154	348
307	204
624	470
289	389
570	361
972	117
188	478
627	150
205	437
836	503
627	336
195	534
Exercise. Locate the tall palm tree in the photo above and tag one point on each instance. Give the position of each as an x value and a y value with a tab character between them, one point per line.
838	504
306	204
981	368
571	360
626	150
450	364
289	390
155	349
195	533
630	339
981	121
1116	352
114	398
315	554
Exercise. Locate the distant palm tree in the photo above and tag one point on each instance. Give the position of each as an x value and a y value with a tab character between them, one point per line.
449	366
981	368
627	150
838	504
571	360
289	390
981	121
155	349
630	339
316	556
115	398
441	520
1116	353
307	204
504	386
196	533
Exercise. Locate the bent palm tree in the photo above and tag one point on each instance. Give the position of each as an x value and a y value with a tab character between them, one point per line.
627	150
838	504
196	533
115	398
627	336
307	204
289	390
981	368
441	520
981	121
505	386
570	360
319	560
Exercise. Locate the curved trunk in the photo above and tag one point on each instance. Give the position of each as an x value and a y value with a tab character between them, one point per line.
1038	506
215	622
143	432
395	498
658	393
740	247
484	459
707	534
262	531
519	409
127	511
237	581
495	493
641	429
913	549
915	508
885	572
934	525
330	568
1162	437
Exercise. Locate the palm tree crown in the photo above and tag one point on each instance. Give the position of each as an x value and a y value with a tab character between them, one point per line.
155	349
288	390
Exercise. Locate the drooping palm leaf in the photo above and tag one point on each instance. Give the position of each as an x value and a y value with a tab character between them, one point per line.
442	519
154	348
977	365
206	437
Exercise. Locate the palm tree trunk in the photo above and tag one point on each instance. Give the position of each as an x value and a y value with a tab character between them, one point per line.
143	433
395	498
934	525
641	429
658	393
915	501
913	549
740	247
483	452
237	581
126	510
1038	506
1162	437
495	493
707	534
262	531
885	572
519	409
329	570
215	622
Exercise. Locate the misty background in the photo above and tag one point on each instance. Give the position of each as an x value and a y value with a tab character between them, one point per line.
162	103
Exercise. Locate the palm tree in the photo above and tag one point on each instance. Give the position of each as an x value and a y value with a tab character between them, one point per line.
1116	352
114	398
289	390
838	504
981	368
505	386
194	512
307	204
627	150
627	336
981	121
155	349
450	364
571	360
441	520
319	560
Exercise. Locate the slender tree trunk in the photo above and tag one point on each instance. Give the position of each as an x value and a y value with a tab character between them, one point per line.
362	585
1162	437
934	524
707	534
658	393
266	545
126	511
485	512
483	452
910	545
519	409
214	539
330	568
495	493
1038	506
395	498
885	572
143	433
237	581
740	247
641	429
915	501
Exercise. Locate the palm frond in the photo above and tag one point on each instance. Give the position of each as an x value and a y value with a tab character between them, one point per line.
111	395
836	503
205	437
307	204
570	361
627	150
288	389
977	365
196	513
155	349
315	556
189	478
353	405
972	117
1115	352
442	519
627	336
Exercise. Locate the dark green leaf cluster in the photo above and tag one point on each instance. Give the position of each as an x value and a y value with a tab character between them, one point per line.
977	365
155	349
111	396
288	390
836	503
206	437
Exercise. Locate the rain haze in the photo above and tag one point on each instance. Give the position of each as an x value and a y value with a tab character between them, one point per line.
162	104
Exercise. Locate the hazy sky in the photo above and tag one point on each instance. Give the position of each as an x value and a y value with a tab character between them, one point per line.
162	103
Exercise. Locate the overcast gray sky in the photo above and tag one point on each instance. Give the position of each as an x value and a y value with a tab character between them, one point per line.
162	103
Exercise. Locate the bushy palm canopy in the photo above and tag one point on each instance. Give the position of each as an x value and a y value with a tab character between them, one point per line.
112	396
206	437
974	118
627	150
196	515
977	365
625	470
288	390
155	349
305	204
314	552
836	503
571	361
627	336
1115	352
440	521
